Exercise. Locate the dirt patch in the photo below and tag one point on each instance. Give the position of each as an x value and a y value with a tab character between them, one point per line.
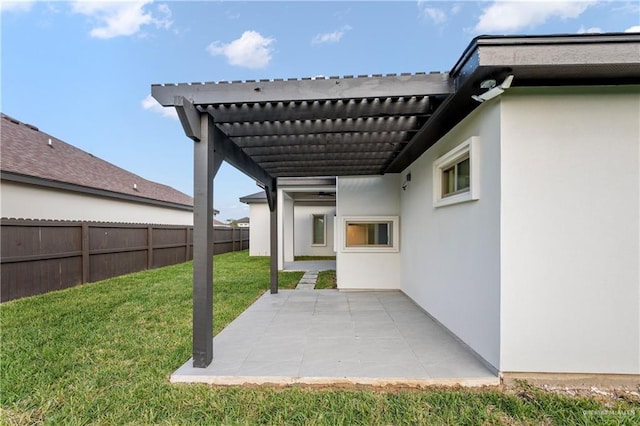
628	394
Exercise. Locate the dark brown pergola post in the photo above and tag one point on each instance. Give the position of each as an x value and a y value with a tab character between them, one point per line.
203	173
272	199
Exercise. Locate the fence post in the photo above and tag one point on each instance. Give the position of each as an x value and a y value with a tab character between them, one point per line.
149	246
84	234
186	243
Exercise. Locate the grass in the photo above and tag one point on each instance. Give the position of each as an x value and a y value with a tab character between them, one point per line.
326	279
102	354
314	258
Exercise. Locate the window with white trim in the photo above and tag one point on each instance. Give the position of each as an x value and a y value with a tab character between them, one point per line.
455	175
371	234
319	227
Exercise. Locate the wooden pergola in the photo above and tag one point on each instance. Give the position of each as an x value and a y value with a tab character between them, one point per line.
363	125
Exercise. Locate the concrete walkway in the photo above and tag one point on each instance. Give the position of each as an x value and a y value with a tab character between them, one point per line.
329	337
308	281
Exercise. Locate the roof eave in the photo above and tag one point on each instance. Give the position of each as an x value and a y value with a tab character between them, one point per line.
65	186
578	59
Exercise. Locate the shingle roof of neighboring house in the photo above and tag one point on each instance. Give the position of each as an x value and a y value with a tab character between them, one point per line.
27	153
243	220
258	197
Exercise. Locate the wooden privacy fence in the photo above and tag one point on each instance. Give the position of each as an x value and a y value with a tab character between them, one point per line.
42	256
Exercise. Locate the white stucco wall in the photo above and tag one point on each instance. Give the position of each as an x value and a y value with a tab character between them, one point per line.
23	201
298	235
451	254
303	224
260	235
367	196
285	229
570	231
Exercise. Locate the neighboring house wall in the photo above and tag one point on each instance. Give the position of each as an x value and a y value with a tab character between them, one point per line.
451	254
24	201
570	230
260	236
304	231
367	196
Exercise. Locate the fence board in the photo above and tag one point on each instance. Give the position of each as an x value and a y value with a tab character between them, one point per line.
42	256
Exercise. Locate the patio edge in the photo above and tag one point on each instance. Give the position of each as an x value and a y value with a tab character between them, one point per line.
367	381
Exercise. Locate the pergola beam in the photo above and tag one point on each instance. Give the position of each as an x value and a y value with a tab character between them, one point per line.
338	126
189	118
347	162
305	90
319	156
334	171
329	140
323	110
238	158
342	151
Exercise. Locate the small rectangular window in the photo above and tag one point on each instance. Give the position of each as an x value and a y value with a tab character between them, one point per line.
456	176
371	234
319	230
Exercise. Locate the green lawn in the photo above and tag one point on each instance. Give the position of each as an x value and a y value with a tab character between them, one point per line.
326	279
102	353
314	258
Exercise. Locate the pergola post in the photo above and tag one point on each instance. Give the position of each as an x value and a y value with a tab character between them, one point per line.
203	174
272	195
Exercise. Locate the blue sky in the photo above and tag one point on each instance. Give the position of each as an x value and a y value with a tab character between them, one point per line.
82	71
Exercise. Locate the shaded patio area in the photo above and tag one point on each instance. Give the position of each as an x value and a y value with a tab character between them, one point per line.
329	337
310	265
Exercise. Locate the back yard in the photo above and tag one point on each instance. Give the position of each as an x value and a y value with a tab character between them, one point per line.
103	352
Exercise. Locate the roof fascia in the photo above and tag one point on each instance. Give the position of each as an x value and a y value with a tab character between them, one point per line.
493	57
253	200
48	183
541	40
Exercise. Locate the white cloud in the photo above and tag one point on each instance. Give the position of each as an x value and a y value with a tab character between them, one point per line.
634	29
511	16
150	104
437	15
333	37
15	6
591	30
251	50
121	18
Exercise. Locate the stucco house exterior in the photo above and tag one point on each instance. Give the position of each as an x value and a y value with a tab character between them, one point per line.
306	222
502	197
43	177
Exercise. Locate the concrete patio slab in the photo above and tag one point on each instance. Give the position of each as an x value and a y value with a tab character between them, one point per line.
333	337
310	265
